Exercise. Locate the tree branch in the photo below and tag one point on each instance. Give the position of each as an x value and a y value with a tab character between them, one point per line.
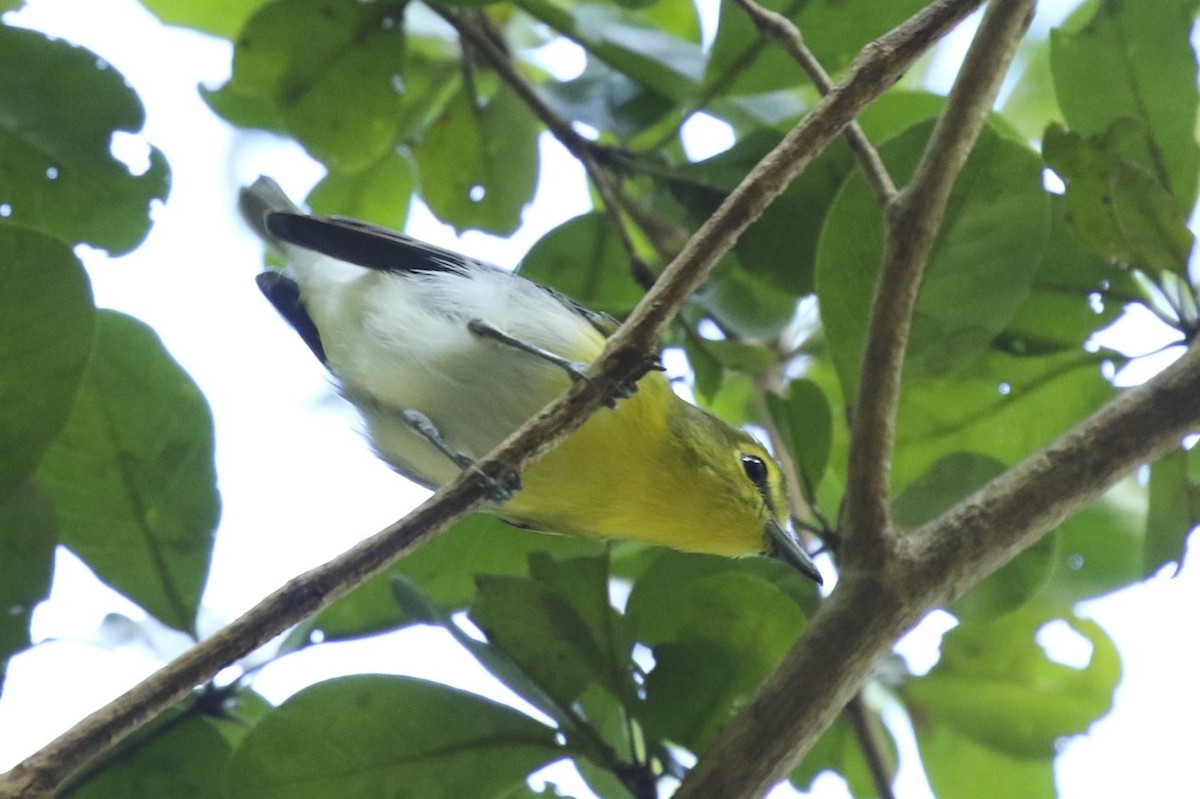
625	358
913	220
775	26
867	730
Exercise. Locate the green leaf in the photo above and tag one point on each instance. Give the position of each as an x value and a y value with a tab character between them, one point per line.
371	735
745	304
980	270
223	18
584	260
60	107
959	768
995	685
949	481
743	61
183	757
542	631
380	194
342	78
444	570
1075	293
1145	56
27	538
1174	512
606	100
735	630
1114	200
479	162
805	421
46	326
644	50
132	476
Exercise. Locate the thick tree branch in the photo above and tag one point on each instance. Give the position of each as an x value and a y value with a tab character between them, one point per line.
913	220
625	358
777	27
868	612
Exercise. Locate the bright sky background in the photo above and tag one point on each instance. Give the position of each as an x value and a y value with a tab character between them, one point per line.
299	486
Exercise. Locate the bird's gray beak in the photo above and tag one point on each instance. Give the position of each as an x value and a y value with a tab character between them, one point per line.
786	548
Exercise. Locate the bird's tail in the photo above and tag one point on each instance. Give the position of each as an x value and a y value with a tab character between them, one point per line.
261	197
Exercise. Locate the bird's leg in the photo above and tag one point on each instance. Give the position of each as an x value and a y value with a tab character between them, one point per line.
575	369
500	491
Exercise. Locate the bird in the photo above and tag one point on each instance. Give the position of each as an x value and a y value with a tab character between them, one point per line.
444	356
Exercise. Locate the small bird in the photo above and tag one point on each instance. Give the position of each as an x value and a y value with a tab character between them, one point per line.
444	356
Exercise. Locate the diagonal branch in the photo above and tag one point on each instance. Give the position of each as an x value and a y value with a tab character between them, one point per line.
625	358
775	26
913	220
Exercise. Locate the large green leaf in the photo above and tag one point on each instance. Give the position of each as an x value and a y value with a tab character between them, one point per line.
840	750
960	768
805	422
980	270
1142	55
374	735
342	78
380	194
132	477
183	756
1115	201
995	685
444	570
222	18
734	631
607	100
584	259
479	162
27	538
60	107
46	326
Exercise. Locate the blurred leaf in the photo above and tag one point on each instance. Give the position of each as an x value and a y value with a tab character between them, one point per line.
223	18
60	107
1031	104
959	768
840	751
735	629
584	259
132	476
27	538
746	305
805	422
659	597
980	270
1174	512
1075	293
342	78
949	481
182	756
444	570
643	50
369	735
1145	56
46	325
540	630
380	194
1114	200
478	162
607	100
995	685
742	61
706	371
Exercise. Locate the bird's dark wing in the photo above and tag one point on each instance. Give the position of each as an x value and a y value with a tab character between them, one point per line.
284	294
364	244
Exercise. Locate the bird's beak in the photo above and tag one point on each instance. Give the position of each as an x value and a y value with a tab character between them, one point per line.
788	549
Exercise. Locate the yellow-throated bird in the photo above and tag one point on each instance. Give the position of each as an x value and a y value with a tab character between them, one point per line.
444	356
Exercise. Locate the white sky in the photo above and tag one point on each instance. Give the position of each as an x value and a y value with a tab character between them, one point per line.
279	428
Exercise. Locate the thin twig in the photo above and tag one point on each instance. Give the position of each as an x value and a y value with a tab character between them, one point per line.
870	739
626	356
777	27
578	146
913	220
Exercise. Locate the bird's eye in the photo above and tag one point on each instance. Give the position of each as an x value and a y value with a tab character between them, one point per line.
755	468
